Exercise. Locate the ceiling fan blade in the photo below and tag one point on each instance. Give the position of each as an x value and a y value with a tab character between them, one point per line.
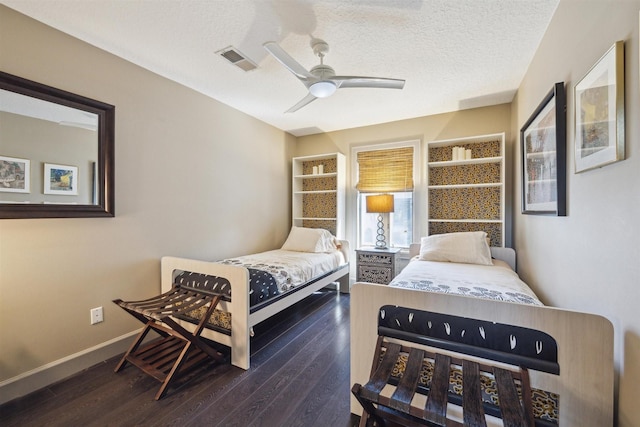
373	82
304	101
285	59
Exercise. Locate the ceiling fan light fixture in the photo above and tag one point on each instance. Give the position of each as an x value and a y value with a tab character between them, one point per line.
321	80
323	88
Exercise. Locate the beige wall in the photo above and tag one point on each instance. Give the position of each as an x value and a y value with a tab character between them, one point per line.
194	178
589	260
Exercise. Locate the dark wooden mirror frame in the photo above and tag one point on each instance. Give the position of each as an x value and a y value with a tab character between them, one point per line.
105	170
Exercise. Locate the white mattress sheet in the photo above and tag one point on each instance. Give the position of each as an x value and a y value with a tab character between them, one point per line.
291	268
498	281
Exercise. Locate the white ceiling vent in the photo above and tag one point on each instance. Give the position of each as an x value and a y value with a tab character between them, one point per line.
234	56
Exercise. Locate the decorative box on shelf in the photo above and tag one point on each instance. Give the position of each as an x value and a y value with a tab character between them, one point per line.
376	265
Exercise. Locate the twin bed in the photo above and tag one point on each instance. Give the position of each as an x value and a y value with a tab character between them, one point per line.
455	278
260	285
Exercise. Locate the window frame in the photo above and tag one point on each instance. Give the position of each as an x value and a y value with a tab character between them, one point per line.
417	176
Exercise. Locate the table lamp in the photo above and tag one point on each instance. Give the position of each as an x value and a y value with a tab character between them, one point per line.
380	204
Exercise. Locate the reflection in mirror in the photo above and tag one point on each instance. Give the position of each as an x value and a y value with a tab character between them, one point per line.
56	152
44	133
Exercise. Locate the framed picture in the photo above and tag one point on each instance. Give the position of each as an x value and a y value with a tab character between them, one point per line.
14	175
599	107
544	152
60	179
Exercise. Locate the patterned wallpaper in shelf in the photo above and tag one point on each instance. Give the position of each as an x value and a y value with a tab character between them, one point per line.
465	174
316	223
319	205
465	203
493	230
319	184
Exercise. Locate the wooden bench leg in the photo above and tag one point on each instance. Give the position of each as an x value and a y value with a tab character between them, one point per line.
369	413
176	368
134	346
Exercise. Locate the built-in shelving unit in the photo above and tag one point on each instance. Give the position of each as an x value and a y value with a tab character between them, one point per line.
469	194
319	198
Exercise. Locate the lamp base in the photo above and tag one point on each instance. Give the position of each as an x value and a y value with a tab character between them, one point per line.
381	242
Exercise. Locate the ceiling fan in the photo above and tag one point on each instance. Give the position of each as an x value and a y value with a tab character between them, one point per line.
321	80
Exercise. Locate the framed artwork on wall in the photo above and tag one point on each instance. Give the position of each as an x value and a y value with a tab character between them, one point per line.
543	139
14	175
599	110
60	179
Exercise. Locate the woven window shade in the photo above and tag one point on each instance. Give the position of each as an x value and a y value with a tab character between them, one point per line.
385	171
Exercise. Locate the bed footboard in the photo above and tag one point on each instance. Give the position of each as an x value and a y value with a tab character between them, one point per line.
585	379
242	319
238	306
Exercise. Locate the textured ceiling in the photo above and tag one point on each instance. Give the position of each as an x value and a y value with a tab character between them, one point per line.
453	54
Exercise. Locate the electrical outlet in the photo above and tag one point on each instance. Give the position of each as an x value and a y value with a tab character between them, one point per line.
96	315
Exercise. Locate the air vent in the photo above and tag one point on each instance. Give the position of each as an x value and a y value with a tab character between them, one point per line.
234	56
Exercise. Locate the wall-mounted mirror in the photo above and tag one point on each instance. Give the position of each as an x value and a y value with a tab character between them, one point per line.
56	152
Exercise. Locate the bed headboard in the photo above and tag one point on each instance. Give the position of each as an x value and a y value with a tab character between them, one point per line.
507	255
345	248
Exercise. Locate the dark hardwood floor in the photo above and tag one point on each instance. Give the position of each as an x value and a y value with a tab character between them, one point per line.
299	376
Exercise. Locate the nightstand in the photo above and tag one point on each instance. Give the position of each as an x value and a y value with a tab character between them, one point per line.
376	265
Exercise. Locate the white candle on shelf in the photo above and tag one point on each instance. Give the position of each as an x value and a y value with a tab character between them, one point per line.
320	169
315	170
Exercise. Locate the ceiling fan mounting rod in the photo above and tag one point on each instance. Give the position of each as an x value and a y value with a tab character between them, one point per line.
320	48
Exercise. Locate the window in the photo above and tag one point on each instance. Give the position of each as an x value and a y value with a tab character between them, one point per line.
382	169
400	228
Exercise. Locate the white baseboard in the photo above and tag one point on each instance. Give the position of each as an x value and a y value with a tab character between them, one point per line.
60	369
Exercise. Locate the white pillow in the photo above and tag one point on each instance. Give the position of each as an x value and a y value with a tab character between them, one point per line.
309	240
465	247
